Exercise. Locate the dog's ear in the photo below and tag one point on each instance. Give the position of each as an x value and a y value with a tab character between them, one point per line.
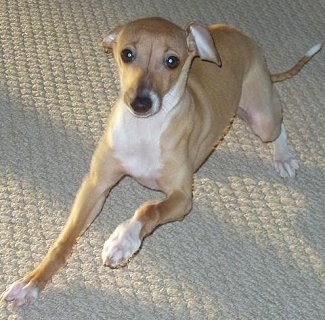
200	40
110	39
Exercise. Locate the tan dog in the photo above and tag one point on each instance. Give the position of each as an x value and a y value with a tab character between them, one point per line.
172	111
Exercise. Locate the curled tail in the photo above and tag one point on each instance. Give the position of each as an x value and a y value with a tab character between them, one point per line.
277	77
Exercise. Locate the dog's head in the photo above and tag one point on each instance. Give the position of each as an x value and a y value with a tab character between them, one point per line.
154	57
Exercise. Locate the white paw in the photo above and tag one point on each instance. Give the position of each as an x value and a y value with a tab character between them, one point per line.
20	293
122	244
285	162
286	165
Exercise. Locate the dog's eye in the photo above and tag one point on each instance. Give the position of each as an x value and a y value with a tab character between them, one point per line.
127	55
172	62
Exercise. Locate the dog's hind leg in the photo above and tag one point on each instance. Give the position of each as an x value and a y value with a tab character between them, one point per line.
261	108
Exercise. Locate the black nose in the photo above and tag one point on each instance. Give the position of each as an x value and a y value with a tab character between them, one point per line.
141	105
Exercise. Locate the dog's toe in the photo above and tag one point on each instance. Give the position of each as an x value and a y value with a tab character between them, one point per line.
122	244
20	293
286	166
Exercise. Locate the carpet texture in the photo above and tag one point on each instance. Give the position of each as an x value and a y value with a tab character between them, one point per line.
253	245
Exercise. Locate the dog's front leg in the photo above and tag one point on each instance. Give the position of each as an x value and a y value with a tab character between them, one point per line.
128	236
88	203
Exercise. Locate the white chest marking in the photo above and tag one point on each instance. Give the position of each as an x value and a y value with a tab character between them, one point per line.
136	143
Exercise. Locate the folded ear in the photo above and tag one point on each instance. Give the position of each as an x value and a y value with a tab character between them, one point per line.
110	39
200	40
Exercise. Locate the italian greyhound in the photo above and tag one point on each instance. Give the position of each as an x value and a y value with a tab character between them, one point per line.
179	93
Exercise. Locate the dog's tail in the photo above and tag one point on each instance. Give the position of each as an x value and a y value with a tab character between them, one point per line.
277	77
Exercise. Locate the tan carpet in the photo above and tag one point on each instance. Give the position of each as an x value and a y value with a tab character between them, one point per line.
253	245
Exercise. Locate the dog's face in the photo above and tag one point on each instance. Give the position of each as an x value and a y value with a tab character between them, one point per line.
153	57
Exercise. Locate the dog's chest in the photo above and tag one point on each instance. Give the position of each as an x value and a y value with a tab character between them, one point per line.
136	144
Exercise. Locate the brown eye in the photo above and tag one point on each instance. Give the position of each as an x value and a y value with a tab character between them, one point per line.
127	55
171	62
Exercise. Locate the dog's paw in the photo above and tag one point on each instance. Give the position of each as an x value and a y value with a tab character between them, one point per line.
122	244
20	293
286	165
285	162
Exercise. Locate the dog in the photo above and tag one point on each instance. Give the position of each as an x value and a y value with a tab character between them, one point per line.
180	91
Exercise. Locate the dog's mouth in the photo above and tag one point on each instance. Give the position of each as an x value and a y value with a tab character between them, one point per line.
145	104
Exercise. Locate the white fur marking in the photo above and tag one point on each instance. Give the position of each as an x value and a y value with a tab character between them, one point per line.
176	92
122	244
136	143
312	51
155	102
285	162
21	293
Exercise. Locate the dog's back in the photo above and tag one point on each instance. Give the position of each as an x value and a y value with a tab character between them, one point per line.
211	85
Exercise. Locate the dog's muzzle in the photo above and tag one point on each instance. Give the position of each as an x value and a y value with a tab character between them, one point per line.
145	104
142	105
